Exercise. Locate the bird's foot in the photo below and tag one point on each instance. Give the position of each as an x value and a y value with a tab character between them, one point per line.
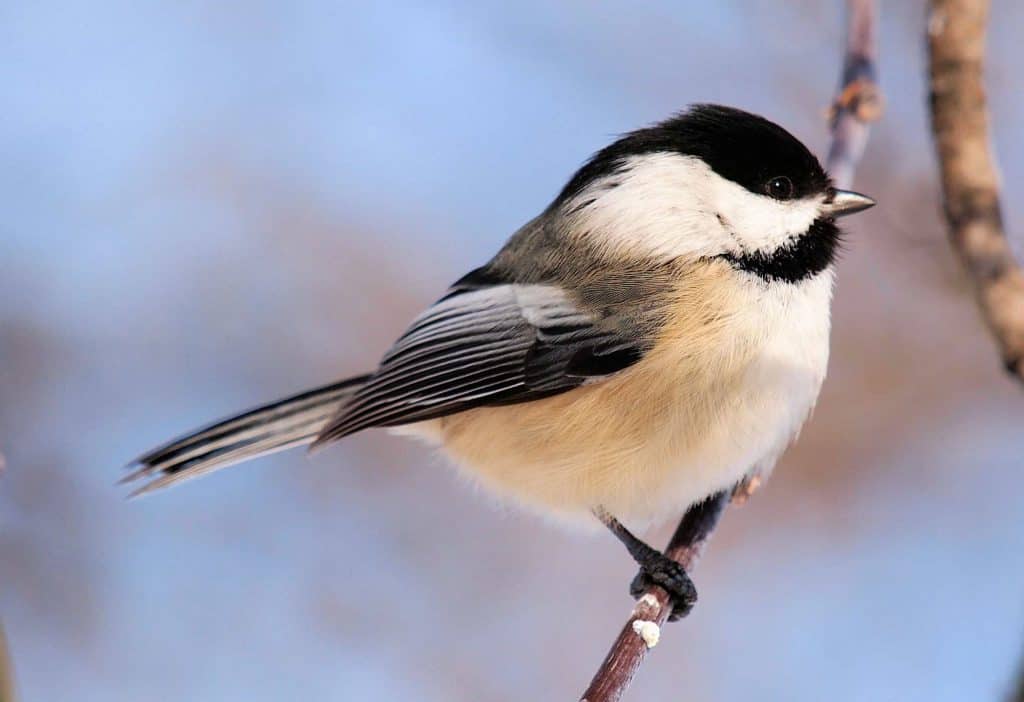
659	569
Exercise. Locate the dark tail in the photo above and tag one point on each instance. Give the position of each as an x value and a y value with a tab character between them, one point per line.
293	421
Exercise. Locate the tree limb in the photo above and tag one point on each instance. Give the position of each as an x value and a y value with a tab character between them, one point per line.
970	181
858	103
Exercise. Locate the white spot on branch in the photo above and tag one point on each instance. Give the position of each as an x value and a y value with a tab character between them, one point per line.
649	631
651	601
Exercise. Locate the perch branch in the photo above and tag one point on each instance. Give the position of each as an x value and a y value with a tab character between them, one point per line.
652	609
858	103
970	180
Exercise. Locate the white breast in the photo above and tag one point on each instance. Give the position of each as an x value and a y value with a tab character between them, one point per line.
779	389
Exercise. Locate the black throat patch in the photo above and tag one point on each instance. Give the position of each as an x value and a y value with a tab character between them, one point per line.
798	260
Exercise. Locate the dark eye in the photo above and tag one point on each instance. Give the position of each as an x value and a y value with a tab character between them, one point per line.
779	187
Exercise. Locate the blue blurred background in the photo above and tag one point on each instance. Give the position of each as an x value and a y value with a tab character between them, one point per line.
208	205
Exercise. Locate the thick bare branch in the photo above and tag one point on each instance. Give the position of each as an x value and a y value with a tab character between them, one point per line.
858	103
970	180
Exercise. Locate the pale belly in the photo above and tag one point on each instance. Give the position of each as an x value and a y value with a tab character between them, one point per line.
682	424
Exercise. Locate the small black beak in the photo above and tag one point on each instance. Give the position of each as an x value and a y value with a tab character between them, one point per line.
846	202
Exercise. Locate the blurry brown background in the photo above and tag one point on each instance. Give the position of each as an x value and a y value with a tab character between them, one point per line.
208	206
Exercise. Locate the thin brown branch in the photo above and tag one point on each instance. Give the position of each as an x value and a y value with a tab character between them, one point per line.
1018	692
858	103
970	179
6	671
652	609
859	100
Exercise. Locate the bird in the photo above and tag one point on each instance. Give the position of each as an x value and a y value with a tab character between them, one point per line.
658	334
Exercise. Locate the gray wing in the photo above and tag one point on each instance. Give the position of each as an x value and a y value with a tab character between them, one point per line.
495	344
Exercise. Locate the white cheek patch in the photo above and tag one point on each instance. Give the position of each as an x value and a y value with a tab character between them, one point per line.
760	223
669	205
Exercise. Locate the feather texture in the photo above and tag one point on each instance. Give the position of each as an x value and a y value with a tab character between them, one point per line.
488	344
293	421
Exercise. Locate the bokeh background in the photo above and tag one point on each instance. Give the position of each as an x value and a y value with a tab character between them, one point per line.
208	205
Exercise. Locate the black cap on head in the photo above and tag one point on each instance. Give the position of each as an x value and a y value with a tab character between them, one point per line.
742	147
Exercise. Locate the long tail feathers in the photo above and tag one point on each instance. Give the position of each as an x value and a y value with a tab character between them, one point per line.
293	421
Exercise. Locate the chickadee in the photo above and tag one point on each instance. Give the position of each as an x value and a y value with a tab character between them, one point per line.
656	335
